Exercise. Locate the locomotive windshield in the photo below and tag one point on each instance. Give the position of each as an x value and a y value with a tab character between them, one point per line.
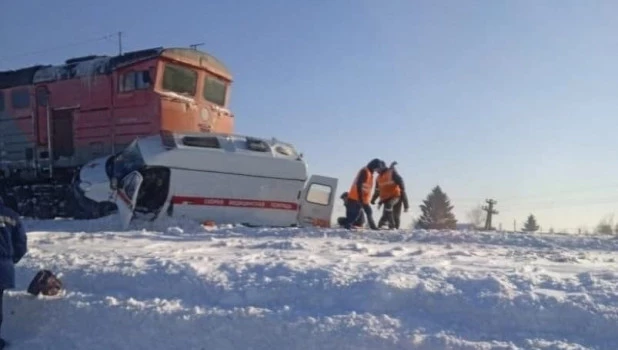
179	79
214	90
127	161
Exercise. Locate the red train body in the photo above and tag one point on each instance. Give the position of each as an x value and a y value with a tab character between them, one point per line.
53	119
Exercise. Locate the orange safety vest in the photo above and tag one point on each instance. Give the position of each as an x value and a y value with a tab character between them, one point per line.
387	187
366	195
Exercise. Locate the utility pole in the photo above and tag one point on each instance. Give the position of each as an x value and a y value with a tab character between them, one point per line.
194	46
119	43
514	225
489	208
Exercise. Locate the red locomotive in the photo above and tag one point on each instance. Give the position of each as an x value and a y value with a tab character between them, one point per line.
53	119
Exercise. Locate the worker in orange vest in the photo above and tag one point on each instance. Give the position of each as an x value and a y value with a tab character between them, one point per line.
359	194
392	193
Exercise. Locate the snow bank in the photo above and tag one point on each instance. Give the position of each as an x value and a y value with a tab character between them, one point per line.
176	285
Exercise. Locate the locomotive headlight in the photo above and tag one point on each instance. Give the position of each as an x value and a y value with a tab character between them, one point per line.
85	186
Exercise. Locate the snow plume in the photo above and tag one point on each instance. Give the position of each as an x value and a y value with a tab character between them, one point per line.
178	285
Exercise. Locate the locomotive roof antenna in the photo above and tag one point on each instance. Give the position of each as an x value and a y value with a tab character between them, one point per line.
194	46
119	43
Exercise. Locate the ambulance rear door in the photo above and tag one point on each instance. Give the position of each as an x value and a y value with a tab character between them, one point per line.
317	201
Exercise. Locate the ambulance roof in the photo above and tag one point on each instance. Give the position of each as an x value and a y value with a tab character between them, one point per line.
224	153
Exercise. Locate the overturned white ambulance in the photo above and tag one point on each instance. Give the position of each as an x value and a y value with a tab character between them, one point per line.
219	178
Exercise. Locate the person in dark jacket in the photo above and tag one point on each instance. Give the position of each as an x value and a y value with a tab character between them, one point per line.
359	194
13	247
360	222
391	190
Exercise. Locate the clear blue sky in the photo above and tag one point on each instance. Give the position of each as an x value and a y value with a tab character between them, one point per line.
512	100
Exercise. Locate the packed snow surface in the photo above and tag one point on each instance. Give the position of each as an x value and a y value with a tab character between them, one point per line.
178	285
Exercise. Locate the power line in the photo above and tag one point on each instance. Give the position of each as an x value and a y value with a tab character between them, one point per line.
561	193
72	44
550	204
526	203
610	200
529	200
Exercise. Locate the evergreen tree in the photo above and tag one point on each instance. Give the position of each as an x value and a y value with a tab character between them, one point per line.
531	225
436	212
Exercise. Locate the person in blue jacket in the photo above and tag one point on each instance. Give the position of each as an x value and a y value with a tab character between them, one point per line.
13	247
360	221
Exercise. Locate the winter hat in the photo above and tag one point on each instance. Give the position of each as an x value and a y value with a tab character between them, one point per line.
375	164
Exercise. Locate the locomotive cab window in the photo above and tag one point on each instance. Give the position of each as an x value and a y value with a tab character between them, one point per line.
132	80
127	82
214	90
142	80
179	79
20	99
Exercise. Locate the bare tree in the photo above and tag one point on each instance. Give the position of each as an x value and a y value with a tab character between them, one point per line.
476	216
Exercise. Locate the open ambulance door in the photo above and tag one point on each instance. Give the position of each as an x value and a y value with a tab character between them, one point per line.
317	200
126	197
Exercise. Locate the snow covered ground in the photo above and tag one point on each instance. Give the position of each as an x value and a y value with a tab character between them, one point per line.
178	285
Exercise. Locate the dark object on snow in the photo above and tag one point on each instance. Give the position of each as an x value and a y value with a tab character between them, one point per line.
46	283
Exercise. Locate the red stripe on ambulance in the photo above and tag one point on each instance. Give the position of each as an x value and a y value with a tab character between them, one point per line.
237	203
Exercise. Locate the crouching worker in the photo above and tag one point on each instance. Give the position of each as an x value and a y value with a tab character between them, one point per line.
13	246
392	193
360	194
360	221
